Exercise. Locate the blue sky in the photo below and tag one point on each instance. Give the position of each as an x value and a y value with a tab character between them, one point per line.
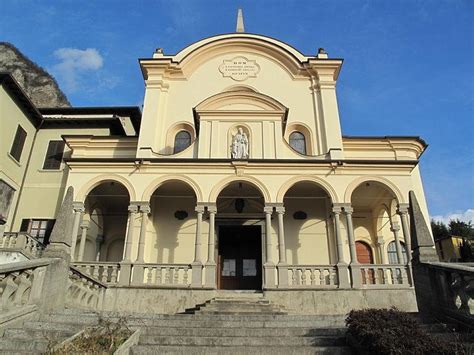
408	69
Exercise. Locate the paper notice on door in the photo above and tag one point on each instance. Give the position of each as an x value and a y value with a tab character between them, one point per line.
228	268
250	267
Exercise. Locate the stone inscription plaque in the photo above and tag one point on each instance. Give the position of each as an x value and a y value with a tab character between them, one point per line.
239	68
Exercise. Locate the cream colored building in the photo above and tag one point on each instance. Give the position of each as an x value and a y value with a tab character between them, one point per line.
235	176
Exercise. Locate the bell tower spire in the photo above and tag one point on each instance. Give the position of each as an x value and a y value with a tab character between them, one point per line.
240	22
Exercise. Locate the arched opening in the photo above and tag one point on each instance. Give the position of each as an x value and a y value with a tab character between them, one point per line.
105	223
308	226
298	142
240	227
374	215
172	228
309	234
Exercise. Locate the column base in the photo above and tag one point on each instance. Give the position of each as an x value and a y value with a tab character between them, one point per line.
282	275
269	273
125	273
210	275
356	276
343	275
196	280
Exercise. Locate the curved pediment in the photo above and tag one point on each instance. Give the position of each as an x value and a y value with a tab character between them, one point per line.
240	100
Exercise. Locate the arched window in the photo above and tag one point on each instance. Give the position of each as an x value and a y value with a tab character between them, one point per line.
182	140
392	253
298	142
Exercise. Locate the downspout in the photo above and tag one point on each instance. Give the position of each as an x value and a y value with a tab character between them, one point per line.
24	176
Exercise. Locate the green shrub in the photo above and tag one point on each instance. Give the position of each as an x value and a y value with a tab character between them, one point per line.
390	331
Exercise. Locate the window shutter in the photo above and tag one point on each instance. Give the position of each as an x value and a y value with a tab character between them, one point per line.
54	155
18	143
25	225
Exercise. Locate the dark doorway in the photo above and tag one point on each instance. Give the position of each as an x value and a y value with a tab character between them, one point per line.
240	258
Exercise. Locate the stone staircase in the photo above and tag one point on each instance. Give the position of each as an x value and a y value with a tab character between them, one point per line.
241	324
40	335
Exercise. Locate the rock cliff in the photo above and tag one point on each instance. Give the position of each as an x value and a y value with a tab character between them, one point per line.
38	84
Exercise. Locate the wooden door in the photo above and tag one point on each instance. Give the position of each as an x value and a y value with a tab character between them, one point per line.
240	258
365	256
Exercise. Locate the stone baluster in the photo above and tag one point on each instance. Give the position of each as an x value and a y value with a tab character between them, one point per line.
211	247
82	246
269	265
282	264
197	263
78	208
354	265
342	267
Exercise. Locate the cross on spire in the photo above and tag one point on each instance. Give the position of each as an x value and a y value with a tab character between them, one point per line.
240	22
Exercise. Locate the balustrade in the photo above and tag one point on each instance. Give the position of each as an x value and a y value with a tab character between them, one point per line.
105	272
312	276
383	274
17	280
83	291
165	274
22	242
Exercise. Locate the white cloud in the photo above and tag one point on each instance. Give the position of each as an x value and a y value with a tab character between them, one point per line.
74	63
466	216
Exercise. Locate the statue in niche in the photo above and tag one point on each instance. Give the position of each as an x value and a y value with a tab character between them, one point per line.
240	145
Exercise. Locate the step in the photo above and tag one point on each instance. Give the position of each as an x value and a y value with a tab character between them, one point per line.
243	332
26	333
50	326
67	318
239	341
236	323
22	344
240	350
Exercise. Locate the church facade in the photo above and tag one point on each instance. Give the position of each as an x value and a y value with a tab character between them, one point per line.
235	176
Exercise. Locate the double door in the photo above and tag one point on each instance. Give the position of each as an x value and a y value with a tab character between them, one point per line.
239	258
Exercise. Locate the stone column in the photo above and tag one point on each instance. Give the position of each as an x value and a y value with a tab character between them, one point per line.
282	265
269	265
381	244
82	246
138	271
395	228
342	267
354	266
98	245
125	272
211	247
197	263
78	208
145	211
132	214
403	212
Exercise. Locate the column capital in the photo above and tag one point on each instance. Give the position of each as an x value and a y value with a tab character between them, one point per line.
395	227
212	208
348	210
403	208
380	240
336	210
280	209
268	209
133	207
145	208
78	207
200	209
